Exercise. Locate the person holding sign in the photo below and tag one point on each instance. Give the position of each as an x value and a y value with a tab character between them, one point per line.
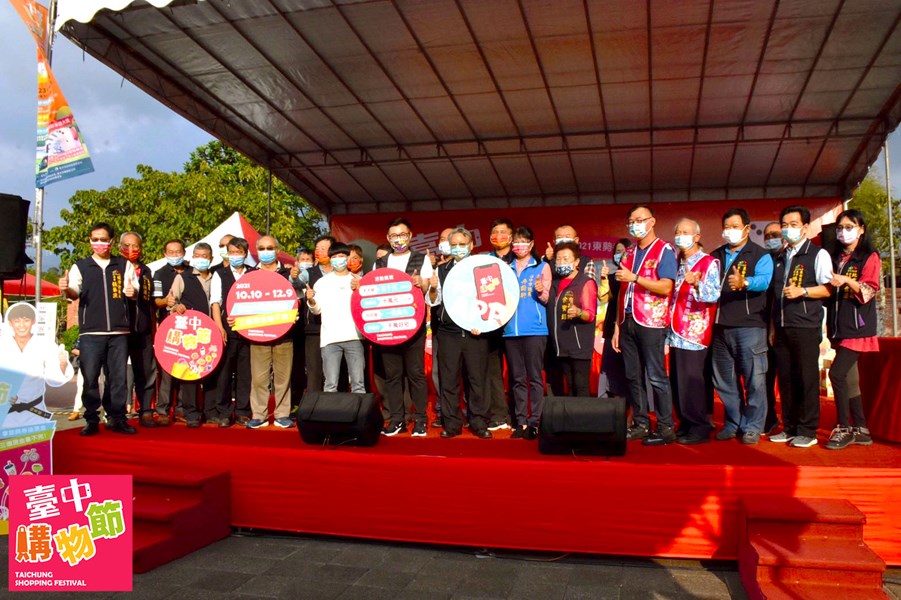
458	348
162	282
191	291
525	335
101	283
407	359
339	338
234	373
43	363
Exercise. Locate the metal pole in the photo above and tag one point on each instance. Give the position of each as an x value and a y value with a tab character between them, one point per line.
891	237
269	204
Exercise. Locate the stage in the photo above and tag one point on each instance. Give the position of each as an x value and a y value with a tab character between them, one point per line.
673	501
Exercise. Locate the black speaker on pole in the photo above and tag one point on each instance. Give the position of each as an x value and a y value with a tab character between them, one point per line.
13	228
573	425
346	419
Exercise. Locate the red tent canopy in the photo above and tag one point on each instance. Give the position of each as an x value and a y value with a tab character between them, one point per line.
25	287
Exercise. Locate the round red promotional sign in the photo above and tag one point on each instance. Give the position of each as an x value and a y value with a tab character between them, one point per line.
387	308
188	346
263	304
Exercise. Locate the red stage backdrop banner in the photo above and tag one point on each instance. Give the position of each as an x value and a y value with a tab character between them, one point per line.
598	225
387	308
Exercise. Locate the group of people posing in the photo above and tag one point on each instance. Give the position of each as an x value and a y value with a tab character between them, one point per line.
734	320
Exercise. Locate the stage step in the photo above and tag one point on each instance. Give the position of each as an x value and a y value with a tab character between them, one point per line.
177	514
803	548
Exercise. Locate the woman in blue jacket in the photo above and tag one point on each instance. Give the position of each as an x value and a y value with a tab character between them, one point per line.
525	335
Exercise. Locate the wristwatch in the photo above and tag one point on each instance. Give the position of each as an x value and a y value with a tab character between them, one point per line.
806	292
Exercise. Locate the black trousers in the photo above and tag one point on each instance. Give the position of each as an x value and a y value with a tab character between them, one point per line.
313	359
525	358
686	372
142	376
772	419
613	370
797	362
97	352
458	350
845	380
298	366
643	354
234	376
405	361
189	395
497	398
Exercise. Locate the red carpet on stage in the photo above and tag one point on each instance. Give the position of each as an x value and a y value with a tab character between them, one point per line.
674	501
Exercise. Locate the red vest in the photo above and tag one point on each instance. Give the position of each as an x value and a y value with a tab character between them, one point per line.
648	309
692	320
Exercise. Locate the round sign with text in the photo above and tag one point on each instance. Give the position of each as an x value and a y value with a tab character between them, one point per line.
480	293
263	304
188	346
387	308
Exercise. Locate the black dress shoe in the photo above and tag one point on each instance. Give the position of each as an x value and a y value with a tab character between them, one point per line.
448	434
122	427
531	433
690	439
661	437
436	424
483	434
91	429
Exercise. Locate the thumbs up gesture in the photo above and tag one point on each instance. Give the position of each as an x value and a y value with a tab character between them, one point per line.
549	253
433	282
170	299
692	277
129	288
791	291
417	280
294	271
605	270
63	282
539	285
310	293
355	281
736	280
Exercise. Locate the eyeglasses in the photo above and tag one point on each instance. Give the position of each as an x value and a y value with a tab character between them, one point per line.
398	236
639	221
845	227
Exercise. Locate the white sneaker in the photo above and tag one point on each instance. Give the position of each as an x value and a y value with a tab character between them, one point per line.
781	437
802	441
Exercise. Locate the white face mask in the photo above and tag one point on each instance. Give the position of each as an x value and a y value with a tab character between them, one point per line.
685	241
733	236
792	235
848	236
638	230
563	240
444	248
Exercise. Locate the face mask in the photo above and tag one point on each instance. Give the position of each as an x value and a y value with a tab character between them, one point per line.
236	260
792	235
304	276
305	265
267	257
500	240
848	236
131	254
460	252
100	247
617	258
733	236
638	230
175	261
400	245
201	264
563	270
685	241
354	264
563	240
339	263
522	249
322	259
223	252
773	244
444	248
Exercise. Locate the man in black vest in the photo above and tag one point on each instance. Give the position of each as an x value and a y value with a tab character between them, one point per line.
458	348
501	239
801	276
234	371
191	291
739	345
407	358
101	283
162	282
223	253
142	317
772	241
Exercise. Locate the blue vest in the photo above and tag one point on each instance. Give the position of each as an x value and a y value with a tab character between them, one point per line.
530	317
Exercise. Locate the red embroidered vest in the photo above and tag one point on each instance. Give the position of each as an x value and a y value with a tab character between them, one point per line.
648	309
692	320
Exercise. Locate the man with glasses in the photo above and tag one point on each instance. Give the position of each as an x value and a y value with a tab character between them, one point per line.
101	283
407	359
648	274
800	283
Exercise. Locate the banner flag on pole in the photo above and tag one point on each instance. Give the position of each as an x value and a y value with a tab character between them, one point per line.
61	151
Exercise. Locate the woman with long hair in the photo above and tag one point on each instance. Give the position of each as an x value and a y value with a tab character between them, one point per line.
851	324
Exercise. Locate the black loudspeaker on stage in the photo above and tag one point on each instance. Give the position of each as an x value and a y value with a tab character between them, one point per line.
338	418
571	425
13	227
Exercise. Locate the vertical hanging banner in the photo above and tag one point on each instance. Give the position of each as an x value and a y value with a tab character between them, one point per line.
61	152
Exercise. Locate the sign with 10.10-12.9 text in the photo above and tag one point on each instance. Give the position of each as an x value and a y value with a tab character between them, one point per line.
263	304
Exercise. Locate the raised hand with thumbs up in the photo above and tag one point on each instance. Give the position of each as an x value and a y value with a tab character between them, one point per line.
417	279
549	253
605	270
792	291
736	280
63	283
129	288
355	281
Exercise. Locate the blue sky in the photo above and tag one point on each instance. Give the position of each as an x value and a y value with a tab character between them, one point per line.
122	125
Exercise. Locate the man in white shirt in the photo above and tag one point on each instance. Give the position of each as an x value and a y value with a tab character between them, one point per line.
330	298
101	283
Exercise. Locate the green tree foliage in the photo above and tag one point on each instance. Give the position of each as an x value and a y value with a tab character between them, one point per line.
870	199
216	182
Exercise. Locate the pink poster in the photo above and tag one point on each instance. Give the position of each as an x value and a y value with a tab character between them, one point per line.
70	533
387	308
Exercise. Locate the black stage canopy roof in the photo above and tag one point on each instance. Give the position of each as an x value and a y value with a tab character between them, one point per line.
394	105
